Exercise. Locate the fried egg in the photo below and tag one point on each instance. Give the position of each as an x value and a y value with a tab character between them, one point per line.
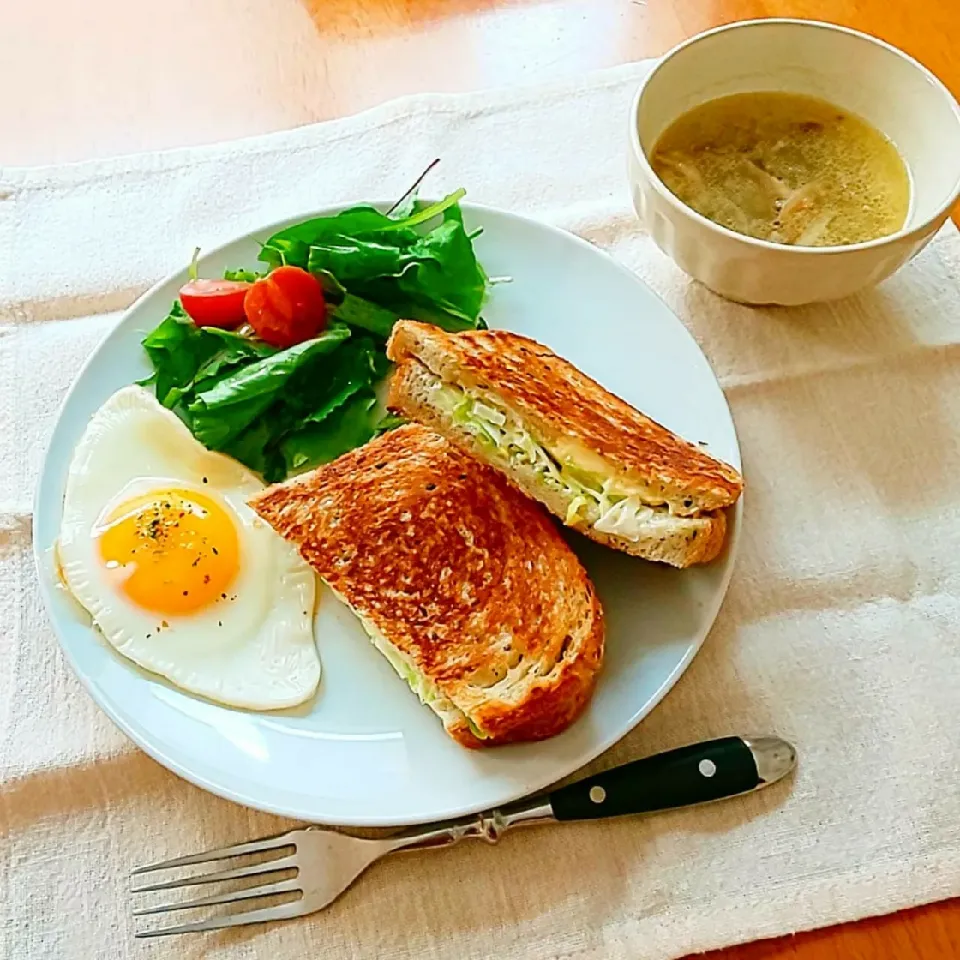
158	544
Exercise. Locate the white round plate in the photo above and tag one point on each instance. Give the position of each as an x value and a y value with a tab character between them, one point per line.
364	752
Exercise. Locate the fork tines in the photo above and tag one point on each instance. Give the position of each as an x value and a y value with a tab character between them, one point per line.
278	844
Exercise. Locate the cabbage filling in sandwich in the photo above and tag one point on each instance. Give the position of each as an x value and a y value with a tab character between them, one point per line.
598	464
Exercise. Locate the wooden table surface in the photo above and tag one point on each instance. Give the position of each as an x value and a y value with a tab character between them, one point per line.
91	78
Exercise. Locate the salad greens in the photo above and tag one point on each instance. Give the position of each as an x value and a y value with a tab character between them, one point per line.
384	268
281	411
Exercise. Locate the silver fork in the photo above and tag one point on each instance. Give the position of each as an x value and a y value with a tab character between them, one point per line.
328	861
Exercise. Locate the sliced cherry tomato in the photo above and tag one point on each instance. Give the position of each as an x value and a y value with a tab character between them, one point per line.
215	303
286	307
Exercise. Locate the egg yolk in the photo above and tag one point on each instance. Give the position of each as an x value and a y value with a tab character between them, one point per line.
173	551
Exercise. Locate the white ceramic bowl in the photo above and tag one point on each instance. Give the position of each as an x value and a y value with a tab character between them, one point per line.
859	74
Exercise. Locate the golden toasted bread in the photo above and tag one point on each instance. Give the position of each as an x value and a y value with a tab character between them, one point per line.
463	583
603	467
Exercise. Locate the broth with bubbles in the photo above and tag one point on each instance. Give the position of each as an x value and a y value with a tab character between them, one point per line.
786	168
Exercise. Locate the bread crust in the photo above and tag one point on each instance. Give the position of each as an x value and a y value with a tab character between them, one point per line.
560	403
464	576
688	541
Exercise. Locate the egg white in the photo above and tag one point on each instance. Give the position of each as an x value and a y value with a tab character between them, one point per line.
254	649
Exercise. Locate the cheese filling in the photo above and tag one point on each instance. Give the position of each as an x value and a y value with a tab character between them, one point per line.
607	504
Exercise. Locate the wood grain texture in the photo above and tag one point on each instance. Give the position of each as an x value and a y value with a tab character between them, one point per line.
927	933
115	76
104	77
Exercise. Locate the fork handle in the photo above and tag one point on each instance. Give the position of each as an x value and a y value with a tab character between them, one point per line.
689	775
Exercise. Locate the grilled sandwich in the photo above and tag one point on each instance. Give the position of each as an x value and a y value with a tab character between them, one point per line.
598	464
460	581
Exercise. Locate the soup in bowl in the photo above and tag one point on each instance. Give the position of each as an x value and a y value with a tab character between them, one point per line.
787	168
789	161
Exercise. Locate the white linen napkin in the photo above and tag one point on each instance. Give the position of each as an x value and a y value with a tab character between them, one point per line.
839	632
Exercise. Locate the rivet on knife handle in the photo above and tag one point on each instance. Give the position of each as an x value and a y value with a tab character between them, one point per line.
695	774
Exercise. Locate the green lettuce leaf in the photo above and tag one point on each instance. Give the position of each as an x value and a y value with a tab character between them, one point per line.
355	367
352	260
292	245
446	274
318	443
234	351
315	394
221	412
412	266
435	277
365	315
184	355
388	422
258	447
177	348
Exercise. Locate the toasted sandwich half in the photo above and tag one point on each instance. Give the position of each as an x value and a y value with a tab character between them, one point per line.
461	582
594	461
